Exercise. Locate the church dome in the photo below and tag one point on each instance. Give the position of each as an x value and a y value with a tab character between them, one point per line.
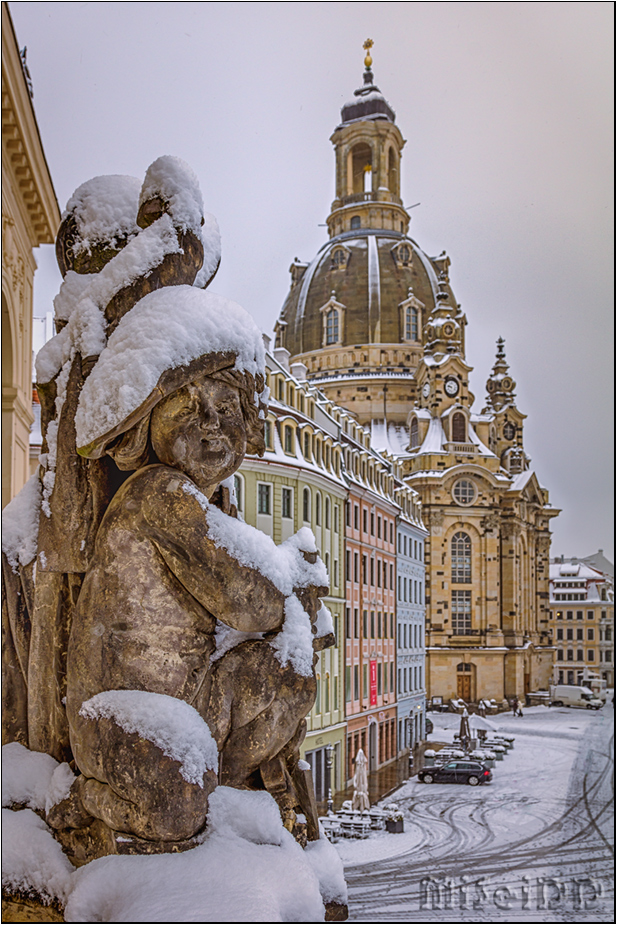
370	274
356	315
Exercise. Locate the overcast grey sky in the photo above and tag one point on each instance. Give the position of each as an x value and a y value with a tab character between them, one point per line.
508	114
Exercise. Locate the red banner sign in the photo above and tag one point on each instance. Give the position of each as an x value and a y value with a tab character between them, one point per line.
373	666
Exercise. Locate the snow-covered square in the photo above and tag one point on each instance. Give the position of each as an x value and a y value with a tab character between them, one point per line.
534	845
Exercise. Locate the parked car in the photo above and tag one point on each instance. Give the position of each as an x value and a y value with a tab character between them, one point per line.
457	772
428	725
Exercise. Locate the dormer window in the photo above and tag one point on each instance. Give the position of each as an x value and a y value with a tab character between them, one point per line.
332	326
340	258
402	254
410	314
333	318
411	323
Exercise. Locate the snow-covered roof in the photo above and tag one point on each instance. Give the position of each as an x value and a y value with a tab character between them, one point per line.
389	437
435	438
575	569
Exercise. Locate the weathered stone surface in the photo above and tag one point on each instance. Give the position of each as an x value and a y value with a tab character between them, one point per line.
130	588
24	909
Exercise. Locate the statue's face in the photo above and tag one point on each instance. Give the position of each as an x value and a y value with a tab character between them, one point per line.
200	429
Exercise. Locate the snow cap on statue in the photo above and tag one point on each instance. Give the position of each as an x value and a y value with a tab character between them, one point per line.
171	336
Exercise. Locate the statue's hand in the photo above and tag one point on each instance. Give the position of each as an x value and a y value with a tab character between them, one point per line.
309	597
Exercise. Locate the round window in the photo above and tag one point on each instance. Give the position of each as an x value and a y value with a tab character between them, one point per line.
464	491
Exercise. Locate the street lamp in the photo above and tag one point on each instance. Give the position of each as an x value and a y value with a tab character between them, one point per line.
329	749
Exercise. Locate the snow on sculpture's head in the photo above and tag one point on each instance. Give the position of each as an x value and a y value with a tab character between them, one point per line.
167	345
99	220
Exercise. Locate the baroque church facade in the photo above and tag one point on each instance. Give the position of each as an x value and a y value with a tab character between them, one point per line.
375	322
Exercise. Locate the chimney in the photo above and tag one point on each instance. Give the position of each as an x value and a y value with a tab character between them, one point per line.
281	354
299	371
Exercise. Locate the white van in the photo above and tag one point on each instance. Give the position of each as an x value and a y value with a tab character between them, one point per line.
569	695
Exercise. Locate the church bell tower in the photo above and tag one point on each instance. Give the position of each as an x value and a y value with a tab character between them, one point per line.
368	147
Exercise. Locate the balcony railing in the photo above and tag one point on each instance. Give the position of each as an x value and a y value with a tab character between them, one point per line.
358	197
466	449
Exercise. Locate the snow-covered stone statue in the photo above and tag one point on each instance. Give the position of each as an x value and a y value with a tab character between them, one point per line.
154	641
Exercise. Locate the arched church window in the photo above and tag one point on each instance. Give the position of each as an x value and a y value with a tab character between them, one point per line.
460	549
332	326
392	172
459	428
361	166
413	434
355	222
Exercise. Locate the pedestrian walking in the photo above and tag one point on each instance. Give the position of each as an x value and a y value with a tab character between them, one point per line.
514	705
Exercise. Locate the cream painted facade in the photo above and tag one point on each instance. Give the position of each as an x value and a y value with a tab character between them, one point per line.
488	625
299	483
30	217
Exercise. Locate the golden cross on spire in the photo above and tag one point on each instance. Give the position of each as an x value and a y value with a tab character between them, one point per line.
367	47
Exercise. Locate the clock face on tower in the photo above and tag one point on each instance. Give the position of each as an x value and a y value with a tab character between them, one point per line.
426	390
451	386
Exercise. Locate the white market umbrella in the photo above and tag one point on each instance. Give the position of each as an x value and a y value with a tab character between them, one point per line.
360	783
480	722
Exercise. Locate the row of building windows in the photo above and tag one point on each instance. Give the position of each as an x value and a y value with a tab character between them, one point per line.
569	615
408	639
374	571
379	624
410	680
383	675
570	597
409	590
379	527
264	505
579	633
580	655
414	549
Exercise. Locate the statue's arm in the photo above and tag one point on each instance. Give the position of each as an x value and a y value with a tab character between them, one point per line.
240	596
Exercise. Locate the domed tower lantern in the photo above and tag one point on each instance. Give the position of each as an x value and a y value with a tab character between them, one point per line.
368	147
355	315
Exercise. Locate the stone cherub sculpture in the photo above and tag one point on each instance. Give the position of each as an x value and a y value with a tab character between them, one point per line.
164	592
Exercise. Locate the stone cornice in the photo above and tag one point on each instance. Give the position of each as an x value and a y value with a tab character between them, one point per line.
23	154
